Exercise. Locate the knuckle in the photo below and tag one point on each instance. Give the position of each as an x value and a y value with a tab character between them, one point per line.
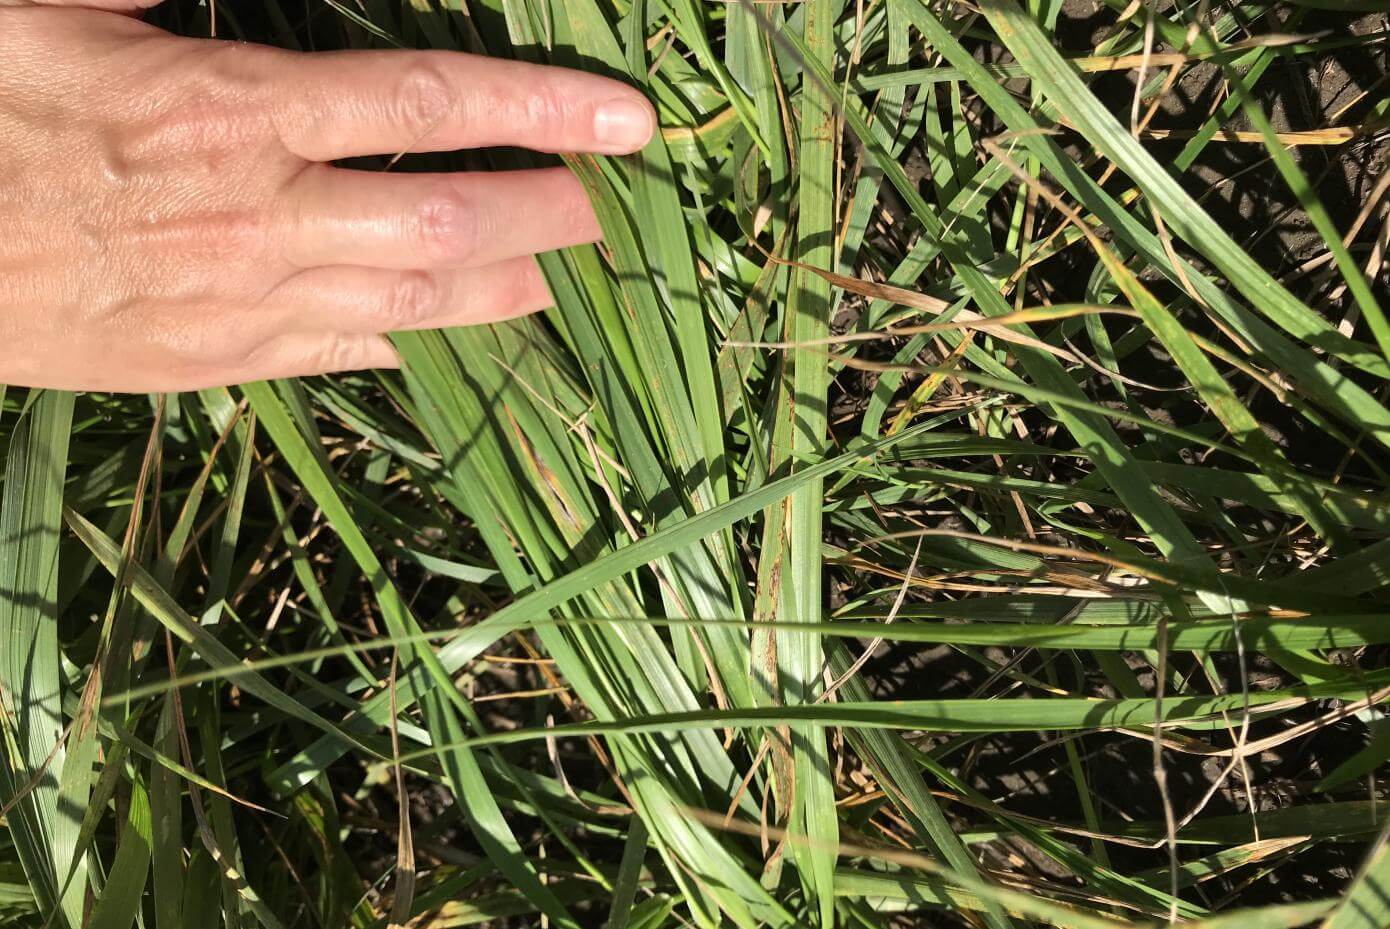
251	353
232	233
339	353
198	336
546	108
410	299
445	225
237	69
221	102
424	99
202	119
516	286
209	337
577	213
531	288
244	355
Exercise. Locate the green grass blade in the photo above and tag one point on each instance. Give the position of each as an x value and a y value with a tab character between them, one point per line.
119	904
30	678
809	307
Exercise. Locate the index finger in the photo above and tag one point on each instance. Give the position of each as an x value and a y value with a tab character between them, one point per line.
331	105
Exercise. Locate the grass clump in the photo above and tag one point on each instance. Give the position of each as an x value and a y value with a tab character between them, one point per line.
953	494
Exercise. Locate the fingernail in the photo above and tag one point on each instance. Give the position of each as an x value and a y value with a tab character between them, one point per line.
624	125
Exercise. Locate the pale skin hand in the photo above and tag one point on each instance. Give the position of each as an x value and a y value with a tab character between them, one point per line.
172	220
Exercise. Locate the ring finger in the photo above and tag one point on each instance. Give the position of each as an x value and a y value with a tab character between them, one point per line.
338	216
368	301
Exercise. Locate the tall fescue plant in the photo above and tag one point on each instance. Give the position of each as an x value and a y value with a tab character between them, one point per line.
904	337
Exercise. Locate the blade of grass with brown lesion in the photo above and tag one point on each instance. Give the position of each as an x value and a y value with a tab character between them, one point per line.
806	380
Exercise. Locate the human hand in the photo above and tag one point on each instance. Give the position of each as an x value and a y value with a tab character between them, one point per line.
172	220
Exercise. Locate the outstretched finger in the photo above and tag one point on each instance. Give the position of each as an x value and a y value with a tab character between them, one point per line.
346	104
368	301
335	216
306	355
133	7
